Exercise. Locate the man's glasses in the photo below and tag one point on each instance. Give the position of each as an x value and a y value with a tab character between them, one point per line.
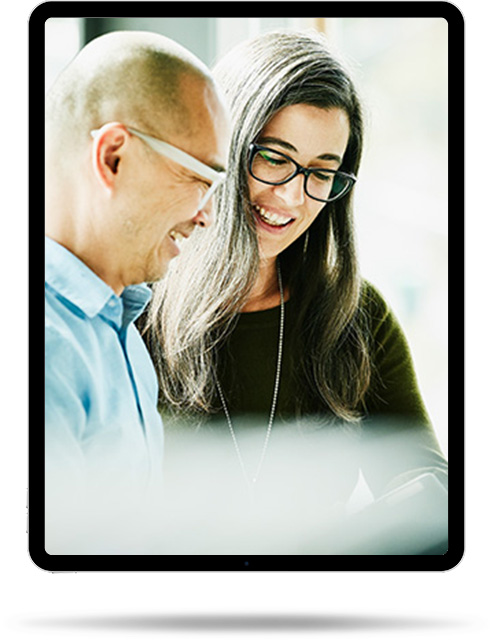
182	158
275	168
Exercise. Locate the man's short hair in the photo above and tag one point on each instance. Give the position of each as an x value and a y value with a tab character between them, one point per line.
131	77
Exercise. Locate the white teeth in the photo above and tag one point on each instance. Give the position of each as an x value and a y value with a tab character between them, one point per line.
176	236
270	218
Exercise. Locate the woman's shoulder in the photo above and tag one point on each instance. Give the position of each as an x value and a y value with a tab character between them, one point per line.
373	305
381	323
378	316
374	309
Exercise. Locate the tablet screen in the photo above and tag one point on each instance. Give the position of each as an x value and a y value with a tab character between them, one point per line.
246	276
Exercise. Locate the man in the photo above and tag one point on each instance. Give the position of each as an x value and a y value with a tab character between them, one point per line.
135	145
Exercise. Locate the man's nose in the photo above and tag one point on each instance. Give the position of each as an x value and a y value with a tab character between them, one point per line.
205	216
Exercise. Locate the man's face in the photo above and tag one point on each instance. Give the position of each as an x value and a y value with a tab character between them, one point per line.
159	198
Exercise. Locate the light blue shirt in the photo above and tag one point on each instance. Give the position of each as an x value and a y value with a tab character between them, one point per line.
101	418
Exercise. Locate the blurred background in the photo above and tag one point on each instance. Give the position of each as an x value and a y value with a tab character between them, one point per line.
400	66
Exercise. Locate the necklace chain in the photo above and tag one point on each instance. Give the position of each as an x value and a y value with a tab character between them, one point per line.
274	396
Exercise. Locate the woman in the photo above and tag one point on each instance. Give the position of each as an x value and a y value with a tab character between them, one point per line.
266	312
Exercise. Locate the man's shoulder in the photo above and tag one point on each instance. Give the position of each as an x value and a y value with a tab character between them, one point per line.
60	342
59	315
65	332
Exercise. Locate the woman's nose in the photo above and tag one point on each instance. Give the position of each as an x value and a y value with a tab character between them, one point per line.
292	192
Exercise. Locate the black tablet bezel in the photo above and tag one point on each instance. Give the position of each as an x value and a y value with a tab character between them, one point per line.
36	517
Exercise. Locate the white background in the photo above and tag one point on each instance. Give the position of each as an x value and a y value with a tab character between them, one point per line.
38	605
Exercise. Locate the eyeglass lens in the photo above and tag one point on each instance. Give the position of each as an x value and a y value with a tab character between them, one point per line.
274	167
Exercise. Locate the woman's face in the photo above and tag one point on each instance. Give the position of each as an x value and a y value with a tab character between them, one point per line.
313	137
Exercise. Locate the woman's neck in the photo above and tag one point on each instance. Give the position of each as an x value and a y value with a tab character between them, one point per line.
265	292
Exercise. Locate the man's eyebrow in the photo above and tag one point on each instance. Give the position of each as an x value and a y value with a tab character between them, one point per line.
267	140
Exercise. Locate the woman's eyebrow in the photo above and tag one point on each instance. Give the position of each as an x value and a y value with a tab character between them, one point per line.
289	147
267	140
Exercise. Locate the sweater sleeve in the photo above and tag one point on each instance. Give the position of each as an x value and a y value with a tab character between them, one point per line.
394	390
399	438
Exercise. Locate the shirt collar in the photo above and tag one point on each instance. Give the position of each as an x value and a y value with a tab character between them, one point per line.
76	282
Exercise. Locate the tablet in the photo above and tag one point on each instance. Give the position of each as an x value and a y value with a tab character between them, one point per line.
327	498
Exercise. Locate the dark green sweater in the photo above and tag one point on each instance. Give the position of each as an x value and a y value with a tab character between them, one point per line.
249	361
395	438
396	428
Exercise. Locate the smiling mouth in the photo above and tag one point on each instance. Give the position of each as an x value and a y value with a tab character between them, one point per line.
272	219
178	238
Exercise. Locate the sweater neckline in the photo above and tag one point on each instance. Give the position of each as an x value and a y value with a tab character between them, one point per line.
259	317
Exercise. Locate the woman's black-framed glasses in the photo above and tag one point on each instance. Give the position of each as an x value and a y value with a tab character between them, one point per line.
272	167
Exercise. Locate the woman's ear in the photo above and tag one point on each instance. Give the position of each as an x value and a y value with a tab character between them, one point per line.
106	153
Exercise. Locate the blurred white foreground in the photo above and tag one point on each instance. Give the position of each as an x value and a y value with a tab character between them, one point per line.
310	498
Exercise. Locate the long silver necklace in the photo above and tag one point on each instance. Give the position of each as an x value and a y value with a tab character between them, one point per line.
253	480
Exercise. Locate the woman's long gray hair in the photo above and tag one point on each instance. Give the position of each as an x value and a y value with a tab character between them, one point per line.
195	305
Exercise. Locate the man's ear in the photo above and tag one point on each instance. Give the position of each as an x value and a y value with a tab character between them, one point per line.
106	153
